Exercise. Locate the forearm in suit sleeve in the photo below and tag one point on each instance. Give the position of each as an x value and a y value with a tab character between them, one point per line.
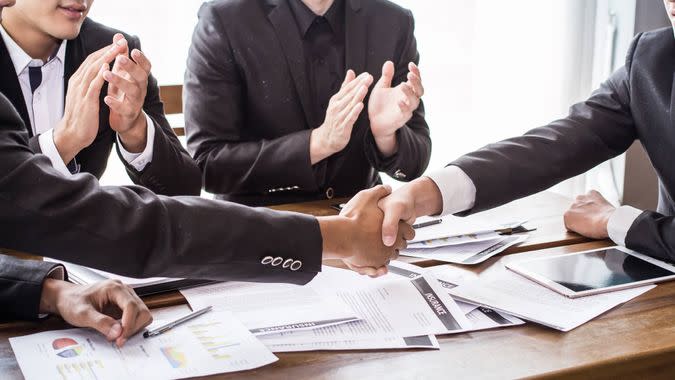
231	162
595	130
172	171
414	142
21	287
653	234
133	232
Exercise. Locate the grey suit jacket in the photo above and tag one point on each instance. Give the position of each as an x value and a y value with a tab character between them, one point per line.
247	100
21	286
636	102
133	232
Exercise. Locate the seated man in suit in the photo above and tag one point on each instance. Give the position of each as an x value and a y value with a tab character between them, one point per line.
42	44
32	289
636	102
271	117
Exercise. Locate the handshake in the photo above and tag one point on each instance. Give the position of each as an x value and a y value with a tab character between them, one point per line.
372	228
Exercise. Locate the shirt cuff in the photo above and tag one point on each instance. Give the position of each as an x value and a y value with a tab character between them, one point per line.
620	222
140	160
457	189
48	148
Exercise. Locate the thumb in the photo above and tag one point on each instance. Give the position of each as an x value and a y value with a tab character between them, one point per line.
387	75
392	217
380	191
109	327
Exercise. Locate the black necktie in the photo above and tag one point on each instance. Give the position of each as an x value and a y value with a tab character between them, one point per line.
35	76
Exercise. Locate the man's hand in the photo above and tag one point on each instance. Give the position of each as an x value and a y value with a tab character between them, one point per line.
95	305
390	108
126	96
354	236
343	110
79	126
420	197
589	215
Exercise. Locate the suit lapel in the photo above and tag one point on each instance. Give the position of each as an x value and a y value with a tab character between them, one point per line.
672	103
356	36
75	55
10	86
289	37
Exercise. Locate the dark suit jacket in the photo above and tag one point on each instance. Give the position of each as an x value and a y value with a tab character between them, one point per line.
21	287
247	102
636	102
171	172
133	232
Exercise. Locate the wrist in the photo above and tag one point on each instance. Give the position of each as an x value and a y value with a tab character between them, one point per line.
135	138
427	196
387	145
318	148
51	292
334	230
65	142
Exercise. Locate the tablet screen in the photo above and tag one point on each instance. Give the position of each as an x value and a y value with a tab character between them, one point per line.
595	270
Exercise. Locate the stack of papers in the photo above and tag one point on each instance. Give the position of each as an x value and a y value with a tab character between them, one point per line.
214	343
460	240
511	293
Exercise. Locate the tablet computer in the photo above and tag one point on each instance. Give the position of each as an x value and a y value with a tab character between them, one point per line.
596	271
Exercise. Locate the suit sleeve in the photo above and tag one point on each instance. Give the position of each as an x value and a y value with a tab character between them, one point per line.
414	142
231	160
595	130
134	232
171	171
653	234
21	286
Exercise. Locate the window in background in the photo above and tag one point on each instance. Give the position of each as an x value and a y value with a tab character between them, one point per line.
491	69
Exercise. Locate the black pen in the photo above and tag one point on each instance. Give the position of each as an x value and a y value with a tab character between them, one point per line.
427	224
169	326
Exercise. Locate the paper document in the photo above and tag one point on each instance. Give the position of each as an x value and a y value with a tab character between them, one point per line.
480	317
400	310
449	227
456	240
467	254
213	343
270	308
514	294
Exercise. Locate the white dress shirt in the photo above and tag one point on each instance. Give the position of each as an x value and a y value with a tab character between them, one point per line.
46	105
459	194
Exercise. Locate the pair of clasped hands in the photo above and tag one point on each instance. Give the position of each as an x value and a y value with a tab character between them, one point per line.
127	87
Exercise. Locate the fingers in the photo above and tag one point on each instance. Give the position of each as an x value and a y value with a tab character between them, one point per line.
351	75
376	193
347	91
96	85
390	223
387	75
130	88
142	61
135	315
406	230
415	79
368	271
102	323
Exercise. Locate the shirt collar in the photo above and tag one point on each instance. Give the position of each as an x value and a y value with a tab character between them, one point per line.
305	17
21	59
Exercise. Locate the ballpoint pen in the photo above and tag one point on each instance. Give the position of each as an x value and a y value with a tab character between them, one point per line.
169	326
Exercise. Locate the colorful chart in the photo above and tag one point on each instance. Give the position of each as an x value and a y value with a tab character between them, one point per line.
67	347
218	346
176	358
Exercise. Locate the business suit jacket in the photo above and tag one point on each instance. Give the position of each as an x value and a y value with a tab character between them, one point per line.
133	232
21	287
171	172
636	102
247	102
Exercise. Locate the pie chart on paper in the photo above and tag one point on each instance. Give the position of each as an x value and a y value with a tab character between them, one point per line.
67	347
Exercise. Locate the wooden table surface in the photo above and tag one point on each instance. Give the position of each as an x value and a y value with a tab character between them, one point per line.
634	340
637	338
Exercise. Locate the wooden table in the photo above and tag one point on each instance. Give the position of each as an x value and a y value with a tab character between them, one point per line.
636	339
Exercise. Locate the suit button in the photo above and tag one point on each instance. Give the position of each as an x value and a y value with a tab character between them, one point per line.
277	261
297	264
330	193
287	263
400	175
266	260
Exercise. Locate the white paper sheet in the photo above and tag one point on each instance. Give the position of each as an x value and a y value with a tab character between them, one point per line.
514	294
455	240
449	227
280	342
270	308
213	343
467	254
